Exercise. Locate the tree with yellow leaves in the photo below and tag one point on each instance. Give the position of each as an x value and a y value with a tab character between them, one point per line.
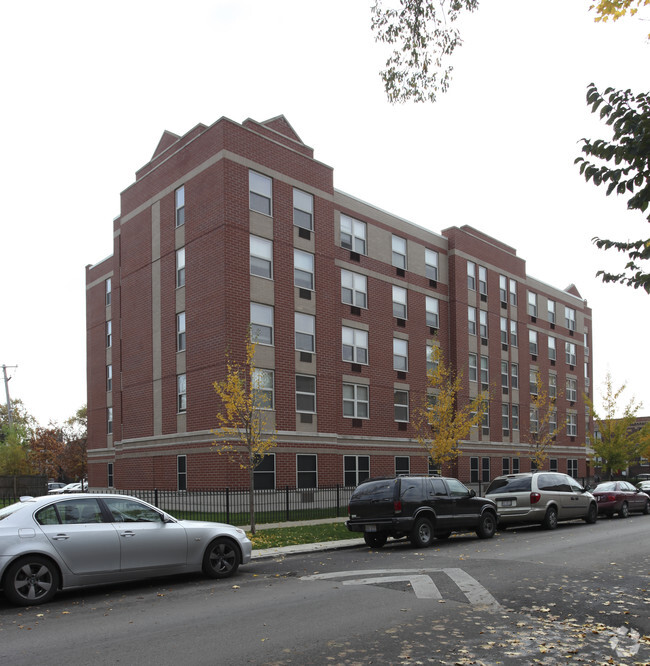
615	443
543	426
245	430
440	423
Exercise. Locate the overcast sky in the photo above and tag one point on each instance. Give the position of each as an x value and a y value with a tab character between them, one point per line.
89	88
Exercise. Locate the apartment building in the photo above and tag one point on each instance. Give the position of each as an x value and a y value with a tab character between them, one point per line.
235	225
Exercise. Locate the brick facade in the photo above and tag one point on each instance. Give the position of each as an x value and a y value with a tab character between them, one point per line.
212	164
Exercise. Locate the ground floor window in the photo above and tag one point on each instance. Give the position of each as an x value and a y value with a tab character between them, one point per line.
505	466
181	472
434	468
515	465
473	470
264	473
553	465
485	470
109	473
306	471
402	465
355	469
572	467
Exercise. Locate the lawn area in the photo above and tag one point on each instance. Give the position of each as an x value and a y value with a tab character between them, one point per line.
289	536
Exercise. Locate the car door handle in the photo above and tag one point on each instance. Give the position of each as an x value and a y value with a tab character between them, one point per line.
61	537
127	534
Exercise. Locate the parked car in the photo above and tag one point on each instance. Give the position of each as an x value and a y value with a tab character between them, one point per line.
69	488
644	486
78	540
54	485
620	497
541	497
418	507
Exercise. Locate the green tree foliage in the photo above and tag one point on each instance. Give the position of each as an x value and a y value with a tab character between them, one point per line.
615	444
19	416
622	165
14	450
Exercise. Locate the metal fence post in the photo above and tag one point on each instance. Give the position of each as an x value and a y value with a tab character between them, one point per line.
287	502
227	505
155	497
338	500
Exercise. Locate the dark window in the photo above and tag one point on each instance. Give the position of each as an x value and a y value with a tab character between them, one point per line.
264	473
306	471
181	469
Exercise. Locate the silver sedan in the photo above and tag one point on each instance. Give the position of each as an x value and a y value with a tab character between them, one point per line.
55	542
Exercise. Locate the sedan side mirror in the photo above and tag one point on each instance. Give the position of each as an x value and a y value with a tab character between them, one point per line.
472	492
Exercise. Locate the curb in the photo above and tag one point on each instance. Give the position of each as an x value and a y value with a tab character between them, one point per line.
303	548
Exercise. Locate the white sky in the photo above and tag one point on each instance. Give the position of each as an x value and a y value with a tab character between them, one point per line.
89	87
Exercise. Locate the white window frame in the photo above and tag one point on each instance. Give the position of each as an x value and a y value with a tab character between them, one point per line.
431	259
260	193
354	346
514	375
572	389
513	292
532	342
181	393
400	355
503	324
262	318
181	339
505	416
358	397
109	420
109	333
532	382
514	413
109	290
513	333
482	280
471	320
310	395
552	385
483	323
109	377
180	267
401	405
400	302
432	306
305	332
261	249
532	304
503	289
552	348
354	289
398	256
303	269
485	371
471	275
263	389
550	309
303	209
570	318
473	367
179	206
353	234
431	364
533	420
571	425
505	374
570	353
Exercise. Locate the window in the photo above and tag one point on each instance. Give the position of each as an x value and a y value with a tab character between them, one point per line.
515	465
505	465
552	465
262	323
504	374
570	318
552	351
355	470
514	410
306	394
571	389
513	292
180	331
471	276
109	333
532	342
109	420
503	323
180	267
483	323
399	252
306	470
259	192
261	257
181	392
550	305
485	372
572	425
513	333
532	381
402	465
400	354
482	280
303	269
432	309
354	290
532	304
473	367
552	385
110	478
471	320
570	353
485	470
432	362
514	375
305	326
355	401
353	234
399	302
109	289
503	289
534	420
109	377
505	416
181	472
355	345
473	469
264	473
303	209
572	467
262	385
179	197
431	264
485	420
401	405
552	421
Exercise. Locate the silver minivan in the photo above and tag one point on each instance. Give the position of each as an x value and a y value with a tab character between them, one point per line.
541	497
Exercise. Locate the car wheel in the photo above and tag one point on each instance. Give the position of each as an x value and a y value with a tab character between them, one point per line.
31	580
487	525
221	559
443	535
592	514
422	533
550	519
625	511
646	508
375	539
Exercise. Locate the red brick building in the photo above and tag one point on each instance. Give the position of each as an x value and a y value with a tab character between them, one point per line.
237	224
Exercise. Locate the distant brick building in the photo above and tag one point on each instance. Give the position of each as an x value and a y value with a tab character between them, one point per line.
237	224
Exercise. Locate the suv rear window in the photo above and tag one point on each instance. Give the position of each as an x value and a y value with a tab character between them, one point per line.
379	490
517	484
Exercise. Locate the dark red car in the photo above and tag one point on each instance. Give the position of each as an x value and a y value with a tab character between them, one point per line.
620	497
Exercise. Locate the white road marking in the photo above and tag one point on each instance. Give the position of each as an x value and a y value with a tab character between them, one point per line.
421	583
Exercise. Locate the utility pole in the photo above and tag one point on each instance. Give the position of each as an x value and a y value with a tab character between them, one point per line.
4	372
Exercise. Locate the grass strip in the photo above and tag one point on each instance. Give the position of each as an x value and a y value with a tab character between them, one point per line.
277	537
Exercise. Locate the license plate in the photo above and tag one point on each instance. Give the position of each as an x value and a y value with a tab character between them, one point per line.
506	502
370	528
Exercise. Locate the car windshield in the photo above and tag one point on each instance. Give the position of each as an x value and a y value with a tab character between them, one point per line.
611	485
516	484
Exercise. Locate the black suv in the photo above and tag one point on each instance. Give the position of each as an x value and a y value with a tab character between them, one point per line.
419	507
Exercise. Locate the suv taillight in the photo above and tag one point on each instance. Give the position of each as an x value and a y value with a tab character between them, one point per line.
397	506
534	498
